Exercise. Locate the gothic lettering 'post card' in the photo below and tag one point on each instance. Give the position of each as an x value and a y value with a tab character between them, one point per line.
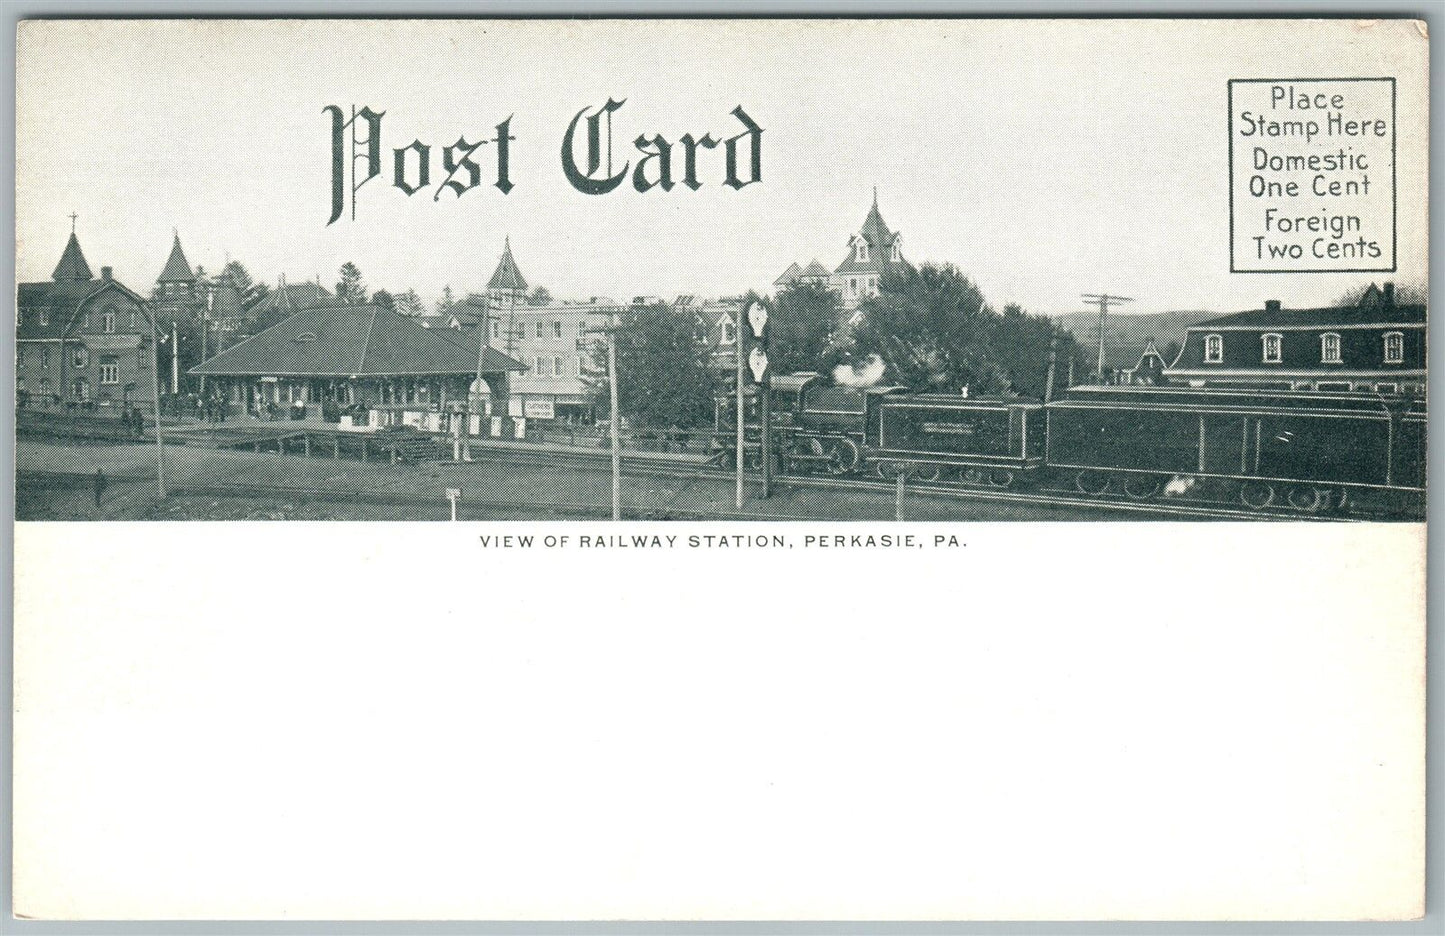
901	469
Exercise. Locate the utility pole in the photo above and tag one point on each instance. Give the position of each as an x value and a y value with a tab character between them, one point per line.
156	401
1102	300
175	359
616	440
205	330
1053	360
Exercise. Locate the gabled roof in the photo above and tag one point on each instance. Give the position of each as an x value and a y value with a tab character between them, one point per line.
177	270
72	266
815	269
64	301
289	298
788	275
507	276
354	340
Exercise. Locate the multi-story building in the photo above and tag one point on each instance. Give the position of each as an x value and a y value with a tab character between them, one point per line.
82	341
1376	345
871	252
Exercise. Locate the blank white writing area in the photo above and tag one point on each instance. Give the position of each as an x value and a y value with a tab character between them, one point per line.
1053	721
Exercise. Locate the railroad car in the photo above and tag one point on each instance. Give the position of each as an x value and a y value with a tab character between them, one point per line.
1306	450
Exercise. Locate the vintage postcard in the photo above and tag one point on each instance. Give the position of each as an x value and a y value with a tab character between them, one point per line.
944	301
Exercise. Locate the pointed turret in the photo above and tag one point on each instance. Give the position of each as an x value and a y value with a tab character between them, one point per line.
507	277
72	266
177	269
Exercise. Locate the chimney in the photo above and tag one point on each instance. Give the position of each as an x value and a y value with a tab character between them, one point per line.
105	274
1271	305
1389	292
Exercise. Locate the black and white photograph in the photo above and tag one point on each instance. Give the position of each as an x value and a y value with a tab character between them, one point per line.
1079	367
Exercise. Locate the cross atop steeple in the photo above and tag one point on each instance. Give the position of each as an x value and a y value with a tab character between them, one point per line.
73	216
875	196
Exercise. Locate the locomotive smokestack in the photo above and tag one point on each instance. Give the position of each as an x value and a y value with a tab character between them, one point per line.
1271	305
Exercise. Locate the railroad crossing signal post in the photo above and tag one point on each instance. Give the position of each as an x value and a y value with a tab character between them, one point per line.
757	323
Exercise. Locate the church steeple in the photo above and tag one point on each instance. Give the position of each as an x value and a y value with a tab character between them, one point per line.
72	266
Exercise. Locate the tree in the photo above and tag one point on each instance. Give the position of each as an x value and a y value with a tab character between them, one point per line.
935	332
662	370
447	300
384	299
801	318
351	289
251	291
409	303
1405	294
540	296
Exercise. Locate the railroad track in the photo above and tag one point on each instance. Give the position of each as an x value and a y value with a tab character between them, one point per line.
639	465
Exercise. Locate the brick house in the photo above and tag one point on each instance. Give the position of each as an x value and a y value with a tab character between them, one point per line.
1376	345
81	341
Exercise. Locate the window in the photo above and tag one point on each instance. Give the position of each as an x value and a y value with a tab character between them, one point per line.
556	329
1271	349
45	386
539	365
44	357
80	389
109	370
728	329
894	255
107	321
581	329
496	329
1394	348
860	252
79	357
581	365
557	363
539	330
1329	348
44	317
1213	349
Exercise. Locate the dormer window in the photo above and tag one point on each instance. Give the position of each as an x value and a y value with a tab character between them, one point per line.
860	251
107	321
1329	348
1272	348
729	330
1394	348
893	252
1213	349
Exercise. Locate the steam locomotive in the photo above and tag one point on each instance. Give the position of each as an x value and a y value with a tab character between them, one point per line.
1311	451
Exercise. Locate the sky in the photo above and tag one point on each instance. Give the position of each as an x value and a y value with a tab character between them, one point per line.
1043	158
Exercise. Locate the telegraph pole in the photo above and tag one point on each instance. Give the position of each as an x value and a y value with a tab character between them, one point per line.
1053	360
175	359
738	353
616	441
156	401
1102	300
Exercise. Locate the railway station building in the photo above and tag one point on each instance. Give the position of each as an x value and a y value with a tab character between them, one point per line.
82	342
350	354
1376	345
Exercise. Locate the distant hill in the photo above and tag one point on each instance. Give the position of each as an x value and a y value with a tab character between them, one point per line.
1126	335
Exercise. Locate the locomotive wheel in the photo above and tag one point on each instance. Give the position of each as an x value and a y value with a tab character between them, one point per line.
1001	477
813	447
1092	483
1256	495
843	457
1306	498
971	475
885	470
1143	487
